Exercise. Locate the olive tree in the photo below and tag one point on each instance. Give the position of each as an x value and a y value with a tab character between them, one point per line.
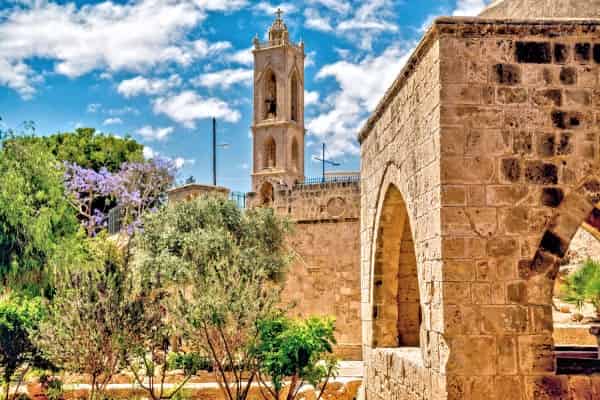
92	304
224	268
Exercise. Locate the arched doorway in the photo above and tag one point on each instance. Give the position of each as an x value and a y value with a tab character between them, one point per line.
267	194
396	300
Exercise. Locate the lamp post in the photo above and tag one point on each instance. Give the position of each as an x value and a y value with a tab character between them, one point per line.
214	148
325	161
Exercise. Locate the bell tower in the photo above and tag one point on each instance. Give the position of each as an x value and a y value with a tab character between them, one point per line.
278	122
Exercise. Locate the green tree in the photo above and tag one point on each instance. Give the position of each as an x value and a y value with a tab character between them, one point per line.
18	318
297	352
36	219
224	266
92	305
89	149
583	285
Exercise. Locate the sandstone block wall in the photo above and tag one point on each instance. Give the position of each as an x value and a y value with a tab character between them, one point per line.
491	134
401	153
324	278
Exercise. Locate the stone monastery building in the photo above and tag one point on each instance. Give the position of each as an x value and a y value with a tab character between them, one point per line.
478	167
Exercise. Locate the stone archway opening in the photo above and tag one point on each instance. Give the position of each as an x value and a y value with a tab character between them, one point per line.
267	194
396	301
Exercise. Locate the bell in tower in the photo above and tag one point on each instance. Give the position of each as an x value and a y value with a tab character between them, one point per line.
278	118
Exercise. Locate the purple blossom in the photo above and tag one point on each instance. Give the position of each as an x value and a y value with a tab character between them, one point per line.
136	188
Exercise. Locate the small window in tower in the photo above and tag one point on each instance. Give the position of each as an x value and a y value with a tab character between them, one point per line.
270	155
295	100
270	96
295	154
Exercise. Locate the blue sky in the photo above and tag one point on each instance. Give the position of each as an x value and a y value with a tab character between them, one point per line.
159	69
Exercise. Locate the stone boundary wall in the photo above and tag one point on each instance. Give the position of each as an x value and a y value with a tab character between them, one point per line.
324	278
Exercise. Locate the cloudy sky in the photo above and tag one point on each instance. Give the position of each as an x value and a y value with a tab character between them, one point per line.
159	69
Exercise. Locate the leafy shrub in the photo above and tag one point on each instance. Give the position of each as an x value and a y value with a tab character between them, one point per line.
298	351
583	286
18	318
190	363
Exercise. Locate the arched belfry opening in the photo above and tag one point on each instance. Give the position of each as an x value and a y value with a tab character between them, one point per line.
267	194
270	153
295	100
396	300
270	95
295	156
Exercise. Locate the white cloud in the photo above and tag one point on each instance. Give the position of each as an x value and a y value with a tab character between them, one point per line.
112	121
311	97
315	21
150	133
225	78
338	6
180	162
149	153
17	76
204	49
122	111
469	7
134	36
140	85
244	56
93	107
349	107
187	107
360	22
267	8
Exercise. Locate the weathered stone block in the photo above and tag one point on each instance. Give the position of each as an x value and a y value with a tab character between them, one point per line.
568	76
582	52
536	354
561	53
507	74
547	97
533	52
541	173
552	197
511	169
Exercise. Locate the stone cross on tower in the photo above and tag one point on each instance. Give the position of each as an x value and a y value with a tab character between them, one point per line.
278	121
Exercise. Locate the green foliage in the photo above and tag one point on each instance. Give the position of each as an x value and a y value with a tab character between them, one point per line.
298	351
89	149
83	330
583	286
223	265
18	318
190	363
35	217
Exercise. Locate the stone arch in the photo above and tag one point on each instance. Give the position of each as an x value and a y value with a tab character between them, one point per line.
270	95
396	311
270	153
295	97
537	274
295	154
267	194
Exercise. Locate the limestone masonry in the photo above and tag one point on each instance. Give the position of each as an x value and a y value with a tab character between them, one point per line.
478	167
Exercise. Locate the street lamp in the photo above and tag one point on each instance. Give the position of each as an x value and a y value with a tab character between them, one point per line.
214	152
325	161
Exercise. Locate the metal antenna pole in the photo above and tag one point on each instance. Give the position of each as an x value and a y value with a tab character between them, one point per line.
214	145
323	158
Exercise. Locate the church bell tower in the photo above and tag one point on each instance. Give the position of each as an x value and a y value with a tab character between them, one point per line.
278	122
